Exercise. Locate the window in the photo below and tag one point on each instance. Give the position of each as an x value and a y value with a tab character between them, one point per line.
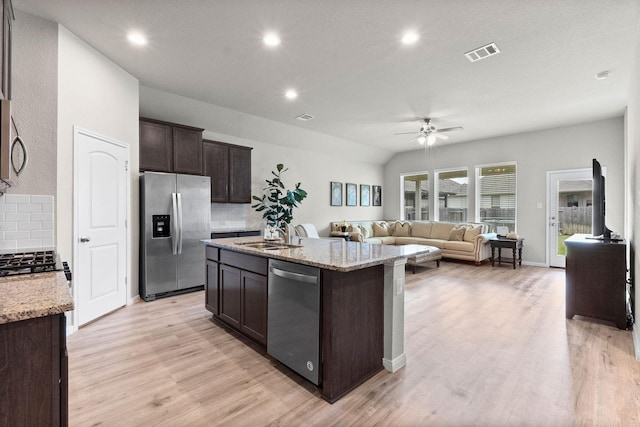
451	187
572	200
496	192
416	197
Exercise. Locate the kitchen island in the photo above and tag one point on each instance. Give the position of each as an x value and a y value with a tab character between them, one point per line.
362	300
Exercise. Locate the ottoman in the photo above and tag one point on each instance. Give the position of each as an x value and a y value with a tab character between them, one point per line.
434	254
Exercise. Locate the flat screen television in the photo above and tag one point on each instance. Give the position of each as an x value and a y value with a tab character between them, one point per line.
598	228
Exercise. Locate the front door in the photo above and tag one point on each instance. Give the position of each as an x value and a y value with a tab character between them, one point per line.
569	197
100	250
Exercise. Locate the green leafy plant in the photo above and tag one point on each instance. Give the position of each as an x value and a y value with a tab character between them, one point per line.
277	203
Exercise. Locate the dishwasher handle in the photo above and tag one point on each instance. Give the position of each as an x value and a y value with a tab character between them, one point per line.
294	276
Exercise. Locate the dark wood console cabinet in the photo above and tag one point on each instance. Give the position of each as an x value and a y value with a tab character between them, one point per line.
33	372
229	167
596	279
170	147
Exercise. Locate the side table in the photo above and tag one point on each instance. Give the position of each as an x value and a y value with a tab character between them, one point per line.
513	244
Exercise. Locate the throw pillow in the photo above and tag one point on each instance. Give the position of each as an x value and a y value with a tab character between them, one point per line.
380	230
403	229
421	229
364	231
471	233
457	234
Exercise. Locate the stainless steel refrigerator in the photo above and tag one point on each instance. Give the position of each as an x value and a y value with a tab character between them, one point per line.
175	215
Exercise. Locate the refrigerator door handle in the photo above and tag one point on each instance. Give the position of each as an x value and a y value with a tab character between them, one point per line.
174	224
180	222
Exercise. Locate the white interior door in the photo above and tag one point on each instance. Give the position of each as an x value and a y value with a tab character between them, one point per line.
100	250
569	198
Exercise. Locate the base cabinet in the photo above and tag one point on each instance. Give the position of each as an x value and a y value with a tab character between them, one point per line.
237	292
33	372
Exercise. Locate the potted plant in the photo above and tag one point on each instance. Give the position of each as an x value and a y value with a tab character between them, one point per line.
277	203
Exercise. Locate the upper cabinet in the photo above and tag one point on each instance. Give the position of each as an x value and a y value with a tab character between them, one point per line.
229	167
5	46
170	147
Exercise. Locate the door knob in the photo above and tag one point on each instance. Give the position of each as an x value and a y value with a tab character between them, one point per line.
85	239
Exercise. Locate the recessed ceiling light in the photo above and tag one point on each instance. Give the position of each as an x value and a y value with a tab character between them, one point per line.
137	38
271	39
602	75
291	94
410	38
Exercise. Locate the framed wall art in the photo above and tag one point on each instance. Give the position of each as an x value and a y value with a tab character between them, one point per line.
365	190
336	193
352	194
377	195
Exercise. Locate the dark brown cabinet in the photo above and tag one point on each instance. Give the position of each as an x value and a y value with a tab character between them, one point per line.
169	147
5	45
236	292
33	368
229	167
596	279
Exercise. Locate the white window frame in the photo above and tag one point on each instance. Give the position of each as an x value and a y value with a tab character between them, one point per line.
436	189
402	176
478	196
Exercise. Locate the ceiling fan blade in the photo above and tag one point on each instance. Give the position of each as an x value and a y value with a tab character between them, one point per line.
405	133
440	136
450	129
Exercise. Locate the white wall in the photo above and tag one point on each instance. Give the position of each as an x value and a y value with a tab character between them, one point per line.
632	123
313	165
535	153
34	101
96	95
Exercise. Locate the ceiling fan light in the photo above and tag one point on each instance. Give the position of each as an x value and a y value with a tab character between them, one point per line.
431	139
422	139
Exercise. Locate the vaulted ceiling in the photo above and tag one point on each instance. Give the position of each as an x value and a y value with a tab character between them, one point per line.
353	74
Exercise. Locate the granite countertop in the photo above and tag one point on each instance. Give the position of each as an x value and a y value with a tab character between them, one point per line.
330	254
233	229
28	296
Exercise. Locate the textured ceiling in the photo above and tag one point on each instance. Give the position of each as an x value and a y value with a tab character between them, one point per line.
352	73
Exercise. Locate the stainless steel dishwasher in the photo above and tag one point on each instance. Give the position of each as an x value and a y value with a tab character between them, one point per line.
293	326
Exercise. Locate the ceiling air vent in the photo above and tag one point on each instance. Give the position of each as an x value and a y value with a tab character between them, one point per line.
304	117
482	52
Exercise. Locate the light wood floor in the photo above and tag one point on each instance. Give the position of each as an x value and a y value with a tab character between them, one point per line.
485	346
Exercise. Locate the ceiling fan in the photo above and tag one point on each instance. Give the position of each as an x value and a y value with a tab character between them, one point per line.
429	133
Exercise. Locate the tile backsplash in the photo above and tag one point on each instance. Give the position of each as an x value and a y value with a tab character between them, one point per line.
26	221
233	217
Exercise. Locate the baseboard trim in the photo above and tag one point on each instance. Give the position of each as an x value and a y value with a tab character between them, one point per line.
636	341
395	364
134	300
535	264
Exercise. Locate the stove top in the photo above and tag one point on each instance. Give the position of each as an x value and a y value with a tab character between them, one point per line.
27	262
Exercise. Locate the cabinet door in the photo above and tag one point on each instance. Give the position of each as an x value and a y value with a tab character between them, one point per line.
212	288
187	151
216	166
254	306
230	295
155	147
239	175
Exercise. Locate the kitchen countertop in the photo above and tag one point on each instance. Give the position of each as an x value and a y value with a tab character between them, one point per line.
28	296
330	254
233	229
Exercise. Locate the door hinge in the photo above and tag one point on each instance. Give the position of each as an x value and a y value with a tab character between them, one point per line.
125	280
126	165
125	223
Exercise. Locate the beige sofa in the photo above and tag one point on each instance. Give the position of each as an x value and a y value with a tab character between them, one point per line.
465	241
